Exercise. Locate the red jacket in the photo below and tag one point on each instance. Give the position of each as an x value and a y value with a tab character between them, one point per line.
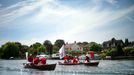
30	58
43	60
36	60
66	59
75	60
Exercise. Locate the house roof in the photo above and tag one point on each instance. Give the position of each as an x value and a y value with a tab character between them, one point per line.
113	41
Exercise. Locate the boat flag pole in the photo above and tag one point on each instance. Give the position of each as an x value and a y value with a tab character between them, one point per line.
26	56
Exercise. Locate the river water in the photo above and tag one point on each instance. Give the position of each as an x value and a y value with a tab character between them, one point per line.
105	67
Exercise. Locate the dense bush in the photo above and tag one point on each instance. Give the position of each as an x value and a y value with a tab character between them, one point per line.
128	51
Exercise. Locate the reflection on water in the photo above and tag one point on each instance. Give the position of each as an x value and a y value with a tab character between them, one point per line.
105	67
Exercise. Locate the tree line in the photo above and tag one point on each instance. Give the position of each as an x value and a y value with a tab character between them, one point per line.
17	50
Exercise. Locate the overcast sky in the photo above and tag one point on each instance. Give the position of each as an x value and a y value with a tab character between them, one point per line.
30	21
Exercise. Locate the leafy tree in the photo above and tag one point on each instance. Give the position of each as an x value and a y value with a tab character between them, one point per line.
23	50
1	52
126	42
59	43
119	51
33	51
85	43
55	49
10	49
74	52
112	52
37	48
128	51
19	44
79	43
95	47
41	49
35	45
49	47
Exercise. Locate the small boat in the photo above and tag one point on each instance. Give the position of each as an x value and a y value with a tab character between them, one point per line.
92	63
60	63
40	67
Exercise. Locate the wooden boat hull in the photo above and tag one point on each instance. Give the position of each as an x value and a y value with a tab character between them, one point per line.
60	63
40	67
91	64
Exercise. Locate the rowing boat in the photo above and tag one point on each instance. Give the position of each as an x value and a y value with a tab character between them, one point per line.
40	67
86	64
60	63
92	63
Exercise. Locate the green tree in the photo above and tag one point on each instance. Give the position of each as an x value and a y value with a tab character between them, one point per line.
74	52
95	47
59	43
119	51
55	49
41	49
10	49
85	43
23	50
1	52
36	45
49	47
128	51
126	42
37	48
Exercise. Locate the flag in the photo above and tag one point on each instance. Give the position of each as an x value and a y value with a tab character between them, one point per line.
92	54
62	52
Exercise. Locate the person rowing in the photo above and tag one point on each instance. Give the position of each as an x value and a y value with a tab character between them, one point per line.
66	59
87	59
75	60
30	58
36	60
42	60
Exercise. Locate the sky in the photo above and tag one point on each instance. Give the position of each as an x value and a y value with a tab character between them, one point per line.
30	21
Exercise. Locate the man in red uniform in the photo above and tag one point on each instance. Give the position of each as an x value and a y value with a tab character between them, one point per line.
43	60
30	58
86	59
36	60
75	60
66	59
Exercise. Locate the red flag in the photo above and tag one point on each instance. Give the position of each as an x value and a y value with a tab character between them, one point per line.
92	54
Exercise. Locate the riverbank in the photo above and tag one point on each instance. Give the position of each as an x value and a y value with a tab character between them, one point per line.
123	57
